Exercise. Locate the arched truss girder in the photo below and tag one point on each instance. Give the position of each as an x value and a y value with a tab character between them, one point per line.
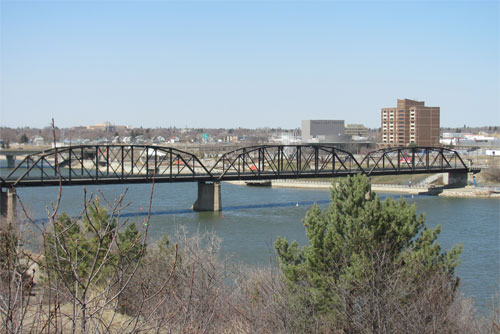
85	164
285	161
101	164
412	159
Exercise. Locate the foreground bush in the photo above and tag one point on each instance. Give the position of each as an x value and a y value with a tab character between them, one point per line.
183	287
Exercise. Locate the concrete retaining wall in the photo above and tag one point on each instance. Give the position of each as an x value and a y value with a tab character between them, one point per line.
465	192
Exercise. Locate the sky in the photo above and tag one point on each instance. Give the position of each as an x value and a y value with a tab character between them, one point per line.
231	64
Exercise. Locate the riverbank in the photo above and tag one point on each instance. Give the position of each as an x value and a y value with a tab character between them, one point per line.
466	192
470	192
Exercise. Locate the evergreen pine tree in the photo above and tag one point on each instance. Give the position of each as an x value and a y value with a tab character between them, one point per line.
130	244
66	251
78	251
345	237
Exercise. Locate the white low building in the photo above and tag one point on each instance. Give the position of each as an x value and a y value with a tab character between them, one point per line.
495	152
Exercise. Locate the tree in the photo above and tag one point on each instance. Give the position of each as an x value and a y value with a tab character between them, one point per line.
23	139
129	245
83	252
91	261
16	278
100	230
355	246
63	245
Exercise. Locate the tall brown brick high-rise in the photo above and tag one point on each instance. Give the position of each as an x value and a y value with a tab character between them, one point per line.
411	122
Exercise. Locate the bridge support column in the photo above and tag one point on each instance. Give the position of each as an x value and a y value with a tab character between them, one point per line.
7	205
11	161
455	179
208	197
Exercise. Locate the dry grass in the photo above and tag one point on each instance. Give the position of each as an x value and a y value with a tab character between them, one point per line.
490	176
189	288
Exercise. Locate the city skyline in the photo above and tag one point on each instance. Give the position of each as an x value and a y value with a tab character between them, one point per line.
249	65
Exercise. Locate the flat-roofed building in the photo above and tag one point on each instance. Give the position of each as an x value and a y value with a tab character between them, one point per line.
323	131
411	122
356	130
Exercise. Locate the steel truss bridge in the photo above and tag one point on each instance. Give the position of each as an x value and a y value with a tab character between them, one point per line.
112	164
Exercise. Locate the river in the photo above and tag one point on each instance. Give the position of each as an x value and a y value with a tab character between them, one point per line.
253	217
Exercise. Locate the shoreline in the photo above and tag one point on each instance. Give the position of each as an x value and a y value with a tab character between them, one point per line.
465	192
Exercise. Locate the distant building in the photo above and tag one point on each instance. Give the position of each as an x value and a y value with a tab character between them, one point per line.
161	139
231	139
37	140
411	122
358	130
469	140
173	139
492	153
107	127
452	135
287	138
323	131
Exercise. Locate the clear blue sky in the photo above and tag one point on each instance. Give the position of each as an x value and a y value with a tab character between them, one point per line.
248	64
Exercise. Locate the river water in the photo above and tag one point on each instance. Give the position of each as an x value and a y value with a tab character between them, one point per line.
253	217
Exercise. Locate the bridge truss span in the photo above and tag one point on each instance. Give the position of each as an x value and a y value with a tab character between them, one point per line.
412	160
107	164
285	161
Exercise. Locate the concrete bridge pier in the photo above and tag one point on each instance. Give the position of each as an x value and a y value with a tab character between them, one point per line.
455	179
208	197
11	161
8	205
